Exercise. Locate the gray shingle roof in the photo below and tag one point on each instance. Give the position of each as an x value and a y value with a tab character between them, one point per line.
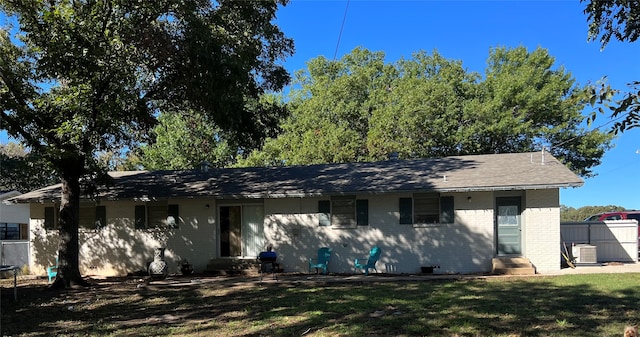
514	171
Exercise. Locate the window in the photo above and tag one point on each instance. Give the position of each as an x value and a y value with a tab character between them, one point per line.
50	217
406	211
634	217
324	210
344	211
362	212
93	217
101	217
156	215
427	208
172	216
141	217
13	231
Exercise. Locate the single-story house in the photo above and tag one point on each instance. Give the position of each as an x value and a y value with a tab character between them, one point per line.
456	213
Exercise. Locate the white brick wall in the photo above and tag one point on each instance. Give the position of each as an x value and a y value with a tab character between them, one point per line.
463	247
291	225
541	228
119	248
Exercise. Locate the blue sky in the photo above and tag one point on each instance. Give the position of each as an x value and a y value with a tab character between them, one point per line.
465	31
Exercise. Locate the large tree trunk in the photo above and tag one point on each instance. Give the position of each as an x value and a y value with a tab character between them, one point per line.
68	248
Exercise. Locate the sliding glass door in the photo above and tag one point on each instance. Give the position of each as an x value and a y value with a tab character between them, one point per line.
241	230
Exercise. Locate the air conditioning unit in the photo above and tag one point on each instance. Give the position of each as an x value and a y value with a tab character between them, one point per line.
585	253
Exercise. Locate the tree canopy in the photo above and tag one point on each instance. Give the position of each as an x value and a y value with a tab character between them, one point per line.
360	108
618	19
22	170
188	140
185	141
79	78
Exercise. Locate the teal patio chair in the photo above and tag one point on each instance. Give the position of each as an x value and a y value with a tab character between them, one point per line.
370	262
52	271
324	254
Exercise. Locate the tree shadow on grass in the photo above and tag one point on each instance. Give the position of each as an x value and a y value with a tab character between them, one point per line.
570	305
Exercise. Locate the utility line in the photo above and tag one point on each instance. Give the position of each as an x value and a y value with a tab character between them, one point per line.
344	18
578	136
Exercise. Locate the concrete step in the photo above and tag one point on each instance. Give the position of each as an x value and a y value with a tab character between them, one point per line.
232	267
512	266
248	267
510	260
515	271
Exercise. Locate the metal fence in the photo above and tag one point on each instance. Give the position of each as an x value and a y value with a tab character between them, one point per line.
615	240
15	253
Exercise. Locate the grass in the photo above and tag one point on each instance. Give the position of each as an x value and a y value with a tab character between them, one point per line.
568	305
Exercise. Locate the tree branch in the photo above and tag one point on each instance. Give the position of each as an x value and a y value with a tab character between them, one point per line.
22	106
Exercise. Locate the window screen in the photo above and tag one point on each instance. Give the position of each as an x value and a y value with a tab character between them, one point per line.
343	211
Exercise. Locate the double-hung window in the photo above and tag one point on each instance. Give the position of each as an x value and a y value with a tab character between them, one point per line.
343	211
426	208
157	215
93	217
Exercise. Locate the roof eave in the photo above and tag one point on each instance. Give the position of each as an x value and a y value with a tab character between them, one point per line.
273	195
283	195
509	187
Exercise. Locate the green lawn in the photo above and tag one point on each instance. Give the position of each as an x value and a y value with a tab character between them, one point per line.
569	305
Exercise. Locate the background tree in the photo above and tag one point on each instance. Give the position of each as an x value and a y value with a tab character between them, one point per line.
579	214
424	111
359	109
23	171
533	105
185	141
329	113
89	77
618	19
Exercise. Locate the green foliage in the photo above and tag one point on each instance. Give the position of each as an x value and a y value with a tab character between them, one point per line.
425	110
329	114
185	141
362	109
81	79
618	19
622	107
112	65
572	214
24	171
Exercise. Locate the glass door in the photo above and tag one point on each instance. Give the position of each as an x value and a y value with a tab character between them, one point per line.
241	230
230	231
508	226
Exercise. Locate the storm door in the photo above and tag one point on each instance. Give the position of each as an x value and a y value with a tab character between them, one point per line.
508	226
241	230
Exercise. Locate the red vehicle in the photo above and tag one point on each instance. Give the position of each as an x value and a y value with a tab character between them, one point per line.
619	215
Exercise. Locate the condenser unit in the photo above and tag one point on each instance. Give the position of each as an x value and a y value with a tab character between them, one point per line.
585	253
